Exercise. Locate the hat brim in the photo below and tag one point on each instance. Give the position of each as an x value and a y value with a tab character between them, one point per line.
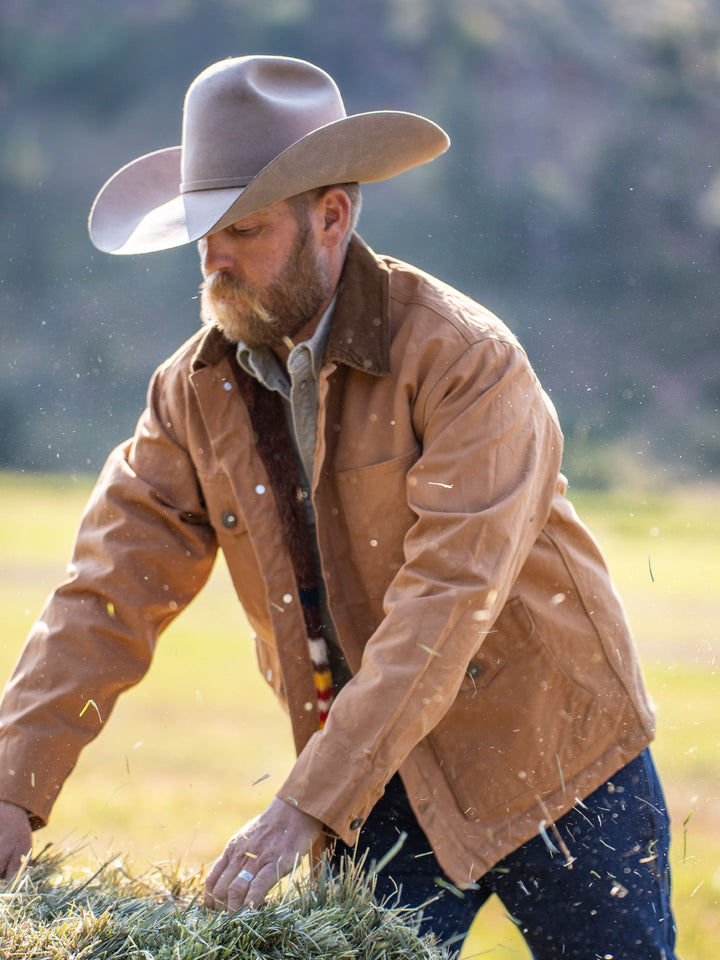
141	210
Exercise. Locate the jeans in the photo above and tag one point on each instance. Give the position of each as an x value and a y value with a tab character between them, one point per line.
612	901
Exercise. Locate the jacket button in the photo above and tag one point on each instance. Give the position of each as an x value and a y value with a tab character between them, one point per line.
356	824
474	670
229	520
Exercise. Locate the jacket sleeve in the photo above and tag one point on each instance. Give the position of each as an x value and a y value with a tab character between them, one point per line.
143	551
481	492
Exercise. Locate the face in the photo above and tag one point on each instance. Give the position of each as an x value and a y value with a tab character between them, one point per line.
263	277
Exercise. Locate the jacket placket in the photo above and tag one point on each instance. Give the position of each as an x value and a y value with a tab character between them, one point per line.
220	403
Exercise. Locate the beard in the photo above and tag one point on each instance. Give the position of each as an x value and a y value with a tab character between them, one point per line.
277	313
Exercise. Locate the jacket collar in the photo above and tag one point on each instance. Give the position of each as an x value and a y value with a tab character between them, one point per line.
360	327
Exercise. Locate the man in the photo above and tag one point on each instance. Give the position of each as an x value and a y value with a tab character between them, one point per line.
376	459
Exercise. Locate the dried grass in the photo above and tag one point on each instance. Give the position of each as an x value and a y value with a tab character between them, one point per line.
53	911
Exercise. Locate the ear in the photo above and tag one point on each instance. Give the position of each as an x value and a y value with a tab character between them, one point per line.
334	211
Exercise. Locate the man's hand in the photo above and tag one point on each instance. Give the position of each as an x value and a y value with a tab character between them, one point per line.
264	850
15	838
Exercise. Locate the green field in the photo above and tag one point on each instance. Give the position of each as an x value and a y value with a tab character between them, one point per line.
200	745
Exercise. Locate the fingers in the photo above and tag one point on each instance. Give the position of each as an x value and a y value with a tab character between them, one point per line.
254	859
15	839
261	886
248	890
238	887
239	879
11	864
229	882
214	876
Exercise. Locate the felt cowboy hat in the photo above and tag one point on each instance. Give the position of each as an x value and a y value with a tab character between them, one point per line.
256	130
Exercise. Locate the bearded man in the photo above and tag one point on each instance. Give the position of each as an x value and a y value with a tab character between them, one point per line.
375	457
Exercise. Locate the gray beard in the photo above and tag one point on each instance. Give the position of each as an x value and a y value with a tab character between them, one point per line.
277	314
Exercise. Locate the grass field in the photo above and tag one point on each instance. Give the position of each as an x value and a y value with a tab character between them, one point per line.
200	745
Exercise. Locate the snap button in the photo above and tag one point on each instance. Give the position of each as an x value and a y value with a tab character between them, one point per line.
229	520
474	670
356	824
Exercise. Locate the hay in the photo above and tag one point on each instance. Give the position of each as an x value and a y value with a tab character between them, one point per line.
54	911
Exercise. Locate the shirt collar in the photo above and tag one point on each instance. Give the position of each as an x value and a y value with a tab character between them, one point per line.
261	363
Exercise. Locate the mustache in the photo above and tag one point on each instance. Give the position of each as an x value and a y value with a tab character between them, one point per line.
244	307
223	286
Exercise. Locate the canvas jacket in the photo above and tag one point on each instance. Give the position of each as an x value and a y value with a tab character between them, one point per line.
493	664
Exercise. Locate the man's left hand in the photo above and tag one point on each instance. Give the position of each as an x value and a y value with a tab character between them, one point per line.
264	850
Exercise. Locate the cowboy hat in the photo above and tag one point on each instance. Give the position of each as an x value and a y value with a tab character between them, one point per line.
256	130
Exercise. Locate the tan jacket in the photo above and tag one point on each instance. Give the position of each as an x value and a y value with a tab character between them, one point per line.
493	664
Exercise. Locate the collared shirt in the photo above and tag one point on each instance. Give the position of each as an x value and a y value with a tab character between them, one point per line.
299	394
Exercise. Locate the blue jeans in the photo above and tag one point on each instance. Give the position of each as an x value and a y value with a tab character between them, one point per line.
613	901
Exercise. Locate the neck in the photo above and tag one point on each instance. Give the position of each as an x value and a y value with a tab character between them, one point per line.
335	266
282	349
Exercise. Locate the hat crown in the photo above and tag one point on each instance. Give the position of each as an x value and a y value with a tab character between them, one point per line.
256	130
242	113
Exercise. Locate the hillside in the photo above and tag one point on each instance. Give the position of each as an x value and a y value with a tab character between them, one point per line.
580	200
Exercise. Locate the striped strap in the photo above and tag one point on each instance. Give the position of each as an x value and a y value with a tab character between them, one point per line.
276	450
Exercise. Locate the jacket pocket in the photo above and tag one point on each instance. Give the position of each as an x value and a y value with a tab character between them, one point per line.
375	505
518	725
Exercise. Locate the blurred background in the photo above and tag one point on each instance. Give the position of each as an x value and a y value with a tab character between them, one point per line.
580	201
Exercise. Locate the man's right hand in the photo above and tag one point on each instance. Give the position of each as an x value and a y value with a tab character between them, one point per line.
15	838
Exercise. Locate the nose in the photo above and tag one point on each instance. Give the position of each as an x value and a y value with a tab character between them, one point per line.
216	254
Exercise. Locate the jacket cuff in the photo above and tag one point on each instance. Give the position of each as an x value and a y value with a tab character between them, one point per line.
18	799
335	786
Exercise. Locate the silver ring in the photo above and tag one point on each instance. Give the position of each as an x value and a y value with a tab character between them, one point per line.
246	876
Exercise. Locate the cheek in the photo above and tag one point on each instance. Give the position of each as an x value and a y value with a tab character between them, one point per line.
263	272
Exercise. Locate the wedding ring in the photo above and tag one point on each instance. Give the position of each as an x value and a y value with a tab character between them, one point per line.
246	876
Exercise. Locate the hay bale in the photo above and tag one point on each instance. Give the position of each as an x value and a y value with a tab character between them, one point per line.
55	910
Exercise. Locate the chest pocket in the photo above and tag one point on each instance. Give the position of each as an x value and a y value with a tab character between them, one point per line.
374	501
